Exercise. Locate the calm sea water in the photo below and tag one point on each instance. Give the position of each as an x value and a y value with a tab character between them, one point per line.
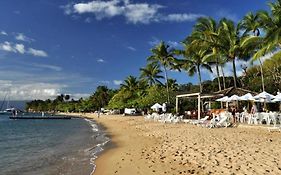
49	147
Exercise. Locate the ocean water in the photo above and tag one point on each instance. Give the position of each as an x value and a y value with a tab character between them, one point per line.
49	147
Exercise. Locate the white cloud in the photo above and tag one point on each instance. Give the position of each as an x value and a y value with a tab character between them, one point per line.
154	41
7	46
20	48
30	91
3	33
181	17
100	60
117	82
101	9
39	53
133	12
132	48
47	66
226	14
141	13
105	82
22	37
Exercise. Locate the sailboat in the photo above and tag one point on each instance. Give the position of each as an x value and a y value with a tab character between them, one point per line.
8	109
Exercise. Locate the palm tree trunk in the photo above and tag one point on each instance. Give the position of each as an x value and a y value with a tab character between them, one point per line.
223	77
262	79
200	79
218	73
234	73
167	86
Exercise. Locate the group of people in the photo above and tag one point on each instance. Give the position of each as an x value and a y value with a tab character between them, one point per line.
234	110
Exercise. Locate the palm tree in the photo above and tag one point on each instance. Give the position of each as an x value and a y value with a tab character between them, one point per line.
130	84
194	57
208	32
163	55
272	23
232	44
251	23
151	74
173	85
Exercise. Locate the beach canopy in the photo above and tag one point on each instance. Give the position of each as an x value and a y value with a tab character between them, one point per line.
156	106
276	99
234	98
246	97
264	97
223	99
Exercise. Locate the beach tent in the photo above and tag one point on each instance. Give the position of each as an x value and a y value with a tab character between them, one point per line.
246	97
156	107
223	99
233	98
276	99
264	97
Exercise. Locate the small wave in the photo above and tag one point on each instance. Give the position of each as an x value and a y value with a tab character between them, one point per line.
103	140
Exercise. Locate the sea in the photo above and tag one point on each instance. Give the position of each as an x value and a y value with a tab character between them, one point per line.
49	147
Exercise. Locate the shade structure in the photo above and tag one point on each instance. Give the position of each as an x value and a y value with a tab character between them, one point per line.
223	99
276	99
247	97
156	106
234	98
264	97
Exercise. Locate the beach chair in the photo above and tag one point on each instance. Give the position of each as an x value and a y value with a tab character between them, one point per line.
223	122
200	121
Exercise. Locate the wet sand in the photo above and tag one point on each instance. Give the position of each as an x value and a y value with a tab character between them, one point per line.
147	147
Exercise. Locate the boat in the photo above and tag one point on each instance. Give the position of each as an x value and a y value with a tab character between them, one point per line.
8	109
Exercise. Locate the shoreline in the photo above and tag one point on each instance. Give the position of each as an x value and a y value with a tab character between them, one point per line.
152	148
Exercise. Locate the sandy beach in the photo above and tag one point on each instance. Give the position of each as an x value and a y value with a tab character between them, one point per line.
147	147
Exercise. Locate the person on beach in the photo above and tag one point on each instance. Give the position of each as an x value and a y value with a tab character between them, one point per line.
254	109
233	112
98	113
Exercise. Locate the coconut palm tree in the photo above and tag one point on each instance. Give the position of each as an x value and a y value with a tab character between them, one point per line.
272	23
232	44
163	55
251	23
151	73
194	57
130	84
209	32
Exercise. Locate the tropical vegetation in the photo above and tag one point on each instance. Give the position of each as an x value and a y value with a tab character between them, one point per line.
211	47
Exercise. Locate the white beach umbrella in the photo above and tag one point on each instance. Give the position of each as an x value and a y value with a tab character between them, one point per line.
223	99
264	97
246	97
276	99
234	98
156	106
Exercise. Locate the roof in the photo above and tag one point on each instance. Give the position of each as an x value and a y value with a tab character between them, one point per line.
235	91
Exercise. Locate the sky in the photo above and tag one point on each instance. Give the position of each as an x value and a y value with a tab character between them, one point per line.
49	47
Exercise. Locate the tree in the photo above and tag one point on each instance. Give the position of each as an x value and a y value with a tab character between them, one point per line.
271	23
251	23
163	55
208	32
194	57
130	84
151	73
231	42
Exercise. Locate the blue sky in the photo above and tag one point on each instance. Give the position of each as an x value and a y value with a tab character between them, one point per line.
49	47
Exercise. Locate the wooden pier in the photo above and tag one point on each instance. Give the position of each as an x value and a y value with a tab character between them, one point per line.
42	118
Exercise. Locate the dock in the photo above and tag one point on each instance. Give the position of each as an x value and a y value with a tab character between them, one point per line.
42	118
